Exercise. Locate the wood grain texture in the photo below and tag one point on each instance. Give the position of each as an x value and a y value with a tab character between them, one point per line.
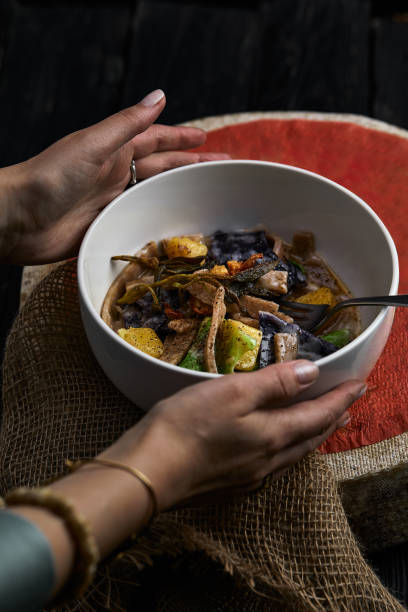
6	15
390	71
392	567
64	70
315	55
64	65
203	57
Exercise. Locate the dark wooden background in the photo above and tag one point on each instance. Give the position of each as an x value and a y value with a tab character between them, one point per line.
64	65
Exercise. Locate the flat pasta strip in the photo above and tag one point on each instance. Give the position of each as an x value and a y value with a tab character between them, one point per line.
218	315
176	346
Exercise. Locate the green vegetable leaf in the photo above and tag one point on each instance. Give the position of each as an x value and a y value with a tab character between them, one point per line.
339	338
232	344
194	360
298	265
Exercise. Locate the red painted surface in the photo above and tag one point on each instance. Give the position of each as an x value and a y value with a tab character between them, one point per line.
374	165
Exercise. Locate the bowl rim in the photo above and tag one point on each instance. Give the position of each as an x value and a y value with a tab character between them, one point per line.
86	301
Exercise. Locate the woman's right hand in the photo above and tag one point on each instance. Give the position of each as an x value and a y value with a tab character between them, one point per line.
227	434
220	436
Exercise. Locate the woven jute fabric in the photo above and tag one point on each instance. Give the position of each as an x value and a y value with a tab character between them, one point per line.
373	477
285	547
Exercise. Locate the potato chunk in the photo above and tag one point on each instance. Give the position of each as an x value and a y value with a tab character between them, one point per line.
182	246
248	359
324	295
275	280
286	347
144	339
219	271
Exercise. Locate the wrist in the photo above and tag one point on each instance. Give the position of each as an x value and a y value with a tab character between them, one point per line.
13	186
114	503
155	450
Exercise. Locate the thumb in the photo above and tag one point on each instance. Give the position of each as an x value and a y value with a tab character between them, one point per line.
110	134
281	382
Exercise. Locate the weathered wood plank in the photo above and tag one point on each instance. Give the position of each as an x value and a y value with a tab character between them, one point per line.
10	282
390	73
315	55
63	66
6	15
392	567
63	70
388	9
203	57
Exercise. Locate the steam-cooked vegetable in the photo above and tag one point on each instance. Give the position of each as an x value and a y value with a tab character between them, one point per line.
218	311
144	339
239	246
182	246
194	360
235	266
275	280
339	337
234	341
286	347
324	295
309	346
249	359
219	270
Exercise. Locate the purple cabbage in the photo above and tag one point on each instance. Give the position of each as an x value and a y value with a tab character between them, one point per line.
142	314
225	246
310	347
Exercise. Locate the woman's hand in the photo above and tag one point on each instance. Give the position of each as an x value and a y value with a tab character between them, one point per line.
50	200
228	434
220	436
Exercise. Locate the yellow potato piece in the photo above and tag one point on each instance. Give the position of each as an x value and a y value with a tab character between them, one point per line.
248	360
219	270
143	338
324	295
181	246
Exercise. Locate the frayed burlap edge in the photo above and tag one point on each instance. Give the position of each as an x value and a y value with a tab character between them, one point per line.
289	543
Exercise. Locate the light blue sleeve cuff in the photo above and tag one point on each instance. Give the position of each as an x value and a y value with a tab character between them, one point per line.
27	572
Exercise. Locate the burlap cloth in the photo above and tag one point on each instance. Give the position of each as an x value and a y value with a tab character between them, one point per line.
287	547
369	458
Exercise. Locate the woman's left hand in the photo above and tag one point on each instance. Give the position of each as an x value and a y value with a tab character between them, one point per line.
51	199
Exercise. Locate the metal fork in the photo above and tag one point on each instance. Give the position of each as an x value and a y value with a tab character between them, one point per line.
313	316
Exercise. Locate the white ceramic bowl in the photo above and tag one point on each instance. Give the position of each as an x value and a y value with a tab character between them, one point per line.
236	195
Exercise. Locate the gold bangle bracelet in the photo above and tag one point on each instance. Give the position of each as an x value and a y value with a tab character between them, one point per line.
127	468
86	551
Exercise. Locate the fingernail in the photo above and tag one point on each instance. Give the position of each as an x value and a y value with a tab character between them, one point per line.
345	421
153	97
306	372
361	392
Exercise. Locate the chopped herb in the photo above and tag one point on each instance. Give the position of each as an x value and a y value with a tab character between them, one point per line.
298	265
339	338
194	360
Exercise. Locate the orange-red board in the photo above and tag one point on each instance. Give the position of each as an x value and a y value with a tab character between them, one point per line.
374	165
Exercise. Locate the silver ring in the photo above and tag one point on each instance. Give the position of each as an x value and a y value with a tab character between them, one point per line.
133	179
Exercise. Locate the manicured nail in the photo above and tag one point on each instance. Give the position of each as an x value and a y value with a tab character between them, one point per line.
153	97
306	372
345	421
361	392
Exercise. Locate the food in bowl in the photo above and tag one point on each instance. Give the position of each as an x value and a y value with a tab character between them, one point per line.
231	195
211	304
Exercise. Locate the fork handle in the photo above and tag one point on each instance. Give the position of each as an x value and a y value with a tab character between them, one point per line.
382	300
